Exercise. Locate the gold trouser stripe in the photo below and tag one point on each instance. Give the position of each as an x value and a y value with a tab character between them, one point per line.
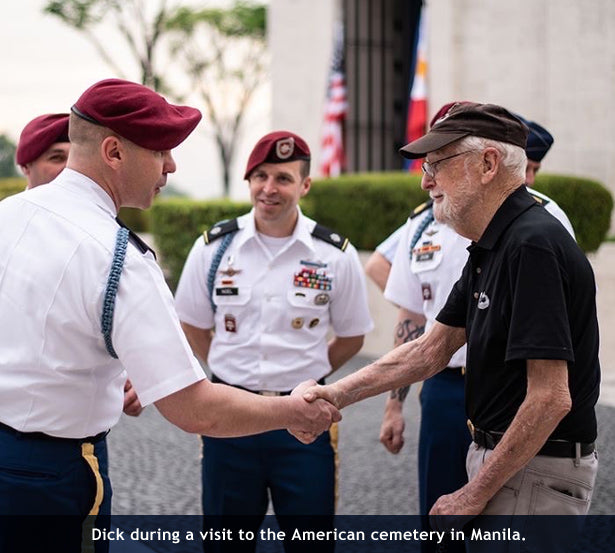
334	436
87	452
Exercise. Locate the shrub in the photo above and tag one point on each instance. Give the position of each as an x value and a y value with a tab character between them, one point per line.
367	208
177	222
587	203
12	185
135	218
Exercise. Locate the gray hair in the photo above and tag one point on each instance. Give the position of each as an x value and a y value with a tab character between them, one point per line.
513	157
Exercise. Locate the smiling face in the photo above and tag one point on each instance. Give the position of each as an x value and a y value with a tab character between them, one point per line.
48	165
275	191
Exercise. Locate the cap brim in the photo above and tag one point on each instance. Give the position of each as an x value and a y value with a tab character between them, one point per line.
431	142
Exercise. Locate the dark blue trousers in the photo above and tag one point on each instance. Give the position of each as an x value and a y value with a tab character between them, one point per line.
238	474
443	445
53	492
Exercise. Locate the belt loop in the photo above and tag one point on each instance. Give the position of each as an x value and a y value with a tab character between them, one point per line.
577	454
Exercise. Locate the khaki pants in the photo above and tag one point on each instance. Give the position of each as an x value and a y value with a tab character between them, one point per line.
545	486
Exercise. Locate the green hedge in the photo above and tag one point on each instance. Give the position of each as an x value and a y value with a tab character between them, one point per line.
12	185
367	208
587	203
176	224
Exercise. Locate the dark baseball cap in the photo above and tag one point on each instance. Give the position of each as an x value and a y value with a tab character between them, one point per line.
277	147
469	119
137	113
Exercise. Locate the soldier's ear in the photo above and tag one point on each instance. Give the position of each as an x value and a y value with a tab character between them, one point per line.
306	185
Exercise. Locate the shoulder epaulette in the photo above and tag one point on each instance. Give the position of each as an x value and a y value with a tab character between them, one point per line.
135	240
542	201
140	244
421	208
220	229
331	237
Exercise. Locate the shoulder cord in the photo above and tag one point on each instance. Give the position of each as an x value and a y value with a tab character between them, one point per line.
215	263
419	231
113	281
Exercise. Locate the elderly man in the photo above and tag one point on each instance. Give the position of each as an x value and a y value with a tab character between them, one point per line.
273	283
532	370
83	305
43	148
428	260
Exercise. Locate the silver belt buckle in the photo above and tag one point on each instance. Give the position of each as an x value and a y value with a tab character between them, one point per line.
268	393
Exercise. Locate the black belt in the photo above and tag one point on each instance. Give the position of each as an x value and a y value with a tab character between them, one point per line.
46	437
217	380
461	371
551	448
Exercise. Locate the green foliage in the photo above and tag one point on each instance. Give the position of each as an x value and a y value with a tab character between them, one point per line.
240	20
365	207
7	157
136	219
176	223
587	203
10	186
79	13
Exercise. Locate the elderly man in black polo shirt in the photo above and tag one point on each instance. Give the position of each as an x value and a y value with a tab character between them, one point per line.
525	305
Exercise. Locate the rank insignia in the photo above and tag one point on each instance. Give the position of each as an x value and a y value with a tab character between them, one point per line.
297	322
321	299
313	323
230	324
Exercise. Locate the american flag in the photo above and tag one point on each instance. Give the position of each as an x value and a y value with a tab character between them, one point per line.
416	125
333	159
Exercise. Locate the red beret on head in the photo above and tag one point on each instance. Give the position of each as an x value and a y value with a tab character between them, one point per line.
277	147
137	113
39	134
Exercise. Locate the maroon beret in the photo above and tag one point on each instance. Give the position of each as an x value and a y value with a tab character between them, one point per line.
39	134
277	147
137	113
469	119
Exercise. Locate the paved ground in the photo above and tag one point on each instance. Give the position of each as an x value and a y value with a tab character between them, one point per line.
155	467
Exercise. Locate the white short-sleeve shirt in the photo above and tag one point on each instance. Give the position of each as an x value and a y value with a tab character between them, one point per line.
273	310
56	247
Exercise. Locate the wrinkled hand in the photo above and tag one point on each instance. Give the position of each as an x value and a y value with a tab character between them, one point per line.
317	416
456	509
392	429
314	392
132	405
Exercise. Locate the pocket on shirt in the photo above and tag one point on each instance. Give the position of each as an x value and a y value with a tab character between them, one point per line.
307	300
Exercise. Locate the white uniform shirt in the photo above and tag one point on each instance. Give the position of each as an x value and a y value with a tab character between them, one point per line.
423	281
56	248
270	332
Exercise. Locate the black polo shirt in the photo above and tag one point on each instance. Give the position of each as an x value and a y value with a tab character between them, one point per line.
526	292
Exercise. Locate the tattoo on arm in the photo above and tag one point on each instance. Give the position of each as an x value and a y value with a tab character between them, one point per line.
405	331
400	394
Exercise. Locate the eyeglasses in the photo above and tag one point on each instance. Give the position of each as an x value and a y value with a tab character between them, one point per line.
429	168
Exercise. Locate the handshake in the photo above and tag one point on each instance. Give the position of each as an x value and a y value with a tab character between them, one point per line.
315	409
